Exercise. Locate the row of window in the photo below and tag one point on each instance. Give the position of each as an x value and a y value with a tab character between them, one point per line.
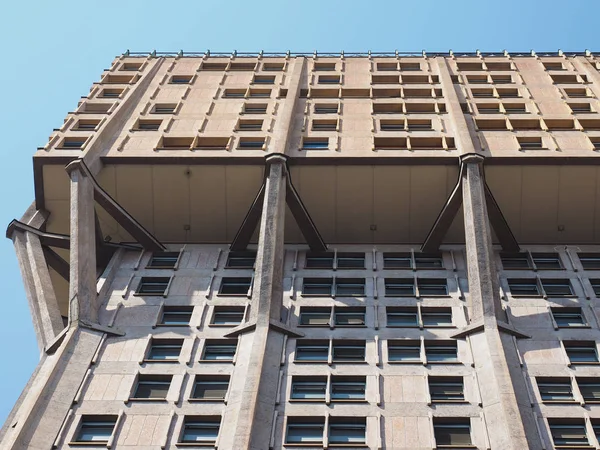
391	260
504	123
352	351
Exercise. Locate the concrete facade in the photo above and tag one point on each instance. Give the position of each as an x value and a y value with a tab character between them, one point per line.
456	305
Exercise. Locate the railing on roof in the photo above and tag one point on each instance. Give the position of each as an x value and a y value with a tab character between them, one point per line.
343	54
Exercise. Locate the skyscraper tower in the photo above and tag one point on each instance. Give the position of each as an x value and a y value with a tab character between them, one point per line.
290	251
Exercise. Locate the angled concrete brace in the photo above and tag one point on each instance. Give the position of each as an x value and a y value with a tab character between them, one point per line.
299	211
55	261
49	239
123	218
448	213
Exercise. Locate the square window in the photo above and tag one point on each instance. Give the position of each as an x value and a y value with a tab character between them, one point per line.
523	287
441	352
219	350
555	389
557	287
348	388
152	387
589	388
148	125
86	125
568	317
436	317
399	287
452	432
347	430
446	389
235	286
164	350
181	79
402	317
227	316
131	66
241	260
568	432
305	430
200	430
589	261
315	144
350	287
308	388
264	79
312	351
250	125
581	352
153	285
176	316
111	93
163	260
345	316
315	316
96	429
348	351
404	351
317	287
251	143
210	387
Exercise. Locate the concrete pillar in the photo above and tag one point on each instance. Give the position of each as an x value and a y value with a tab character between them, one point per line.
82	286
262	346
506	407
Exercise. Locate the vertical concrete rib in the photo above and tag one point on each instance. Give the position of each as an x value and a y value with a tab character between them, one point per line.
505	400
82	285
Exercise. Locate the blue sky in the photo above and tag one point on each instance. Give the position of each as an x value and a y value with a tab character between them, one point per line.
53	51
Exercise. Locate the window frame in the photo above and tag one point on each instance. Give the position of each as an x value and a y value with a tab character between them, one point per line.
100	420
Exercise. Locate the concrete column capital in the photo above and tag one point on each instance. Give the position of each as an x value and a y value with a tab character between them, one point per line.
471	158
77	165
276	158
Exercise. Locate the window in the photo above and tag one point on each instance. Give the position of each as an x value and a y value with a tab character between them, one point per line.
387	66
568	317
210	387
595	286
200	430
273	66
153	285
385	79
305	430
346	316
219	350
348	351
148	125
163	260
387	108
526	124
580	107
590	124
577	92
315	144
111	93
240	260
308	388
251	143
410	66
324	125
441	351
415	79
404	351
557	287
181	79
552	65
213	66
163	108
530	142
331	260
386	93
589	261
402	317
515	261
500	66
392	125
590	389
452	432
255	108
212	143
227	316
259	93
314	316
399	287
419	125
86	125
482	93
176	143
446	389
152	387
264	79
72	143
348	388
428	317
429	287
488	108
508	93
477	79
324	66
130	66
243	66
329	79
234	93
235	286
515	108
417	93
318	287
347	430
568	432
502	79
581	352
491	124
326	108
595	142
399	143
164	350
560	124
523	287
521	261
564	78
250	125
97	429
176	315
555	389
312	351
397	261
119	79
349	287
436	317
320	93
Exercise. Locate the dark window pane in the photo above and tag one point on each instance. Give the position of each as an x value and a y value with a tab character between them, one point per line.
523	287
210	389
557	288
152	387
399	287
317	286
350	260
235	286
309	390
165	350
176	315
349	287
348	352
402	317
322	260
409	351
431	286
397	261
452	433
153	285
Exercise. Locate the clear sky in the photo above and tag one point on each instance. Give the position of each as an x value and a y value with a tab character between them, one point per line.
53	51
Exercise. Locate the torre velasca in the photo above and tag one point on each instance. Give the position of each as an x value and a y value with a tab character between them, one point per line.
296	251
